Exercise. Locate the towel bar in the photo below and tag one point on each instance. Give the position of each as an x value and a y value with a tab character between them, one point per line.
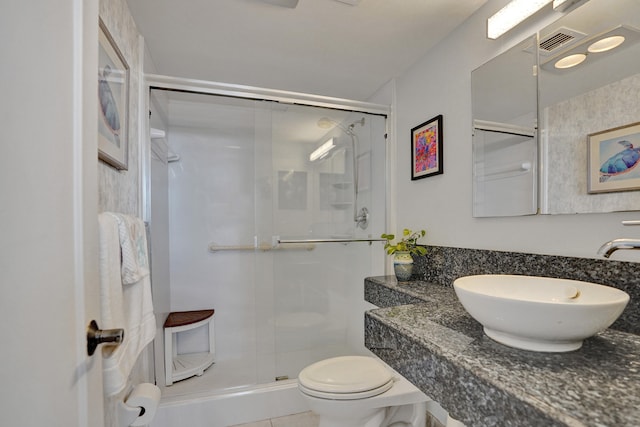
261	247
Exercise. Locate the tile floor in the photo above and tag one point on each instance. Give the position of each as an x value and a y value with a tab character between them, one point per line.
309	419
305	419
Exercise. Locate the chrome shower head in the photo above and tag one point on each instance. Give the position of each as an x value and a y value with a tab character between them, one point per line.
326	123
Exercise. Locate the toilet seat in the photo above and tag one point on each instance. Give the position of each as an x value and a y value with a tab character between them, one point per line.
345	378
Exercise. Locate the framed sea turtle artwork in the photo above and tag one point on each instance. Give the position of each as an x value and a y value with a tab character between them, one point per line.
613	156
113	101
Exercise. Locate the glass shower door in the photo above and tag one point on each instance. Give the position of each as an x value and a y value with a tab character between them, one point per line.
245	177
320	174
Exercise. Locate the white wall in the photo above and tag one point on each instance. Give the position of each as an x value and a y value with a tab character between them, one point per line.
440	83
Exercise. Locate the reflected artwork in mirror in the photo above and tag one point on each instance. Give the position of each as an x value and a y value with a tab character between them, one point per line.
598	94
587	82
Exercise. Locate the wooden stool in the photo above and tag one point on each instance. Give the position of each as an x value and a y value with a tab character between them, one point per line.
180	366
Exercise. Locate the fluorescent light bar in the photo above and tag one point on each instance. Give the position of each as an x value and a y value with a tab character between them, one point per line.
291	4
562	5
322	151
511	15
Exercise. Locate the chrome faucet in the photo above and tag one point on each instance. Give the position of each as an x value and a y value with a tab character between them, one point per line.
613	245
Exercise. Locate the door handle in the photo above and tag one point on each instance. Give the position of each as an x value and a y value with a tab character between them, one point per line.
97	336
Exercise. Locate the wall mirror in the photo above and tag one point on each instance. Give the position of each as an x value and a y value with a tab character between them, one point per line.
504	134
587	106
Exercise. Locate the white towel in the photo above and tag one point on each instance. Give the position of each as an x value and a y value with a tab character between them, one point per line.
133	245
125	302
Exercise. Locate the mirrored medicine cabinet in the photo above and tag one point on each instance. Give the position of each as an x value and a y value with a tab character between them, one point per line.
534	122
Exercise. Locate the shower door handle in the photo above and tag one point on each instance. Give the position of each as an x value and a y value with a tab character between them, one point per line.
97	336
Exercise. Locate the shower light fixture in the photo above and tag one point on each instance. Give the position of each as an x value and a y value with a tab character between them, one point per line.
511	15
322	150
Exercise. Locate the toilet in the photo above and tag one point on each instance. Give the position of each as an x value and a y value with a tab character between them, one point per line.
361	391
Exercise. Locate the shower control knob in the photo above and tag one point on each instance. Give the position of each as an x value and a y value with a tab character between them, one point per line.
97	336
362	219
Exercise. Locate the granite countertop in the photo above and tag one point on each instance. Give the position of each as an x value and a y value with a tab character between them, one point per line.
425	334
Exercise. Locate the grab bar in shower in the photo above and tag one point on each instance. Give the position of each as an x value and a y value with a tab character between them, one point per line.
260	247
284	244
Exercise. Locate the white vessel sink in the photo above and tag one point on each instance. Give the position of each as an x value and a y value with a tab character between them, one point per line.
539	313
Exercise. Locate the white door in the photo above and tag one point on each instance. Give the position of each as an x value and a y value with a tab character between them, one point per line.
48	214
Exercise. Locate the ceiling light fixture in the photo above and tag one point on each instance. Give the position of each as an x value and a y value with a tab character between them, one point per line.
606	44
291	4
322	150
562	5
511	15
570	61
593	48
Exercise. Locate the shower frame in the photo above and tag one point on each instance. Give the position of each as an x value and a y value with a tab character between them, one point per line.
154	81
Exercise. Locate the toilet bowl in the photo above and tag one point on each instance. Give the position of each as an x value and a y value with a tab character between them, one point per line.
361	391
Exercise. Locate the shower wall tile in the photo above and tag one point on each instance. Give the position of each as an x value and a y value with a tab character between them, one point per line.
118	191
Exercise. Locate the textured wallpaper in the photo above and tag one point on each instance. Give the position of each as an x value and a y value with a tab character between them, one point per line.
568	124
118	190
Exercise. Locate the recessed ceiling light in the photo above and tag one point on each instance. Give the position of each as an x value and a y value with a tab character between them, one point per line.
606	44
570	61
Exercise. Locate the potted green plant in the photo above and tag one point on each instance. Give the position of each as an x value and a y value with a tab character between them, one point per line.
403	250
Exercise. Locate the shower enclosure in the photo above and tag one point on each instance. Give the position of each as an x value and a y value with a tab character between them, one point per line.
271	212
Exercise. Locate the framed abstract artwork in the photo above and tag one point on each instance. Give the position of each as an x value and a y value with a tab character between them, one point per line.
612	157
113	102
426	149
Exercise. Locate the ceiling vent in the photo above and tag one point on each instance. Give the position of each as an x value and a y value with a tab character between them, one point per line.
562	38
